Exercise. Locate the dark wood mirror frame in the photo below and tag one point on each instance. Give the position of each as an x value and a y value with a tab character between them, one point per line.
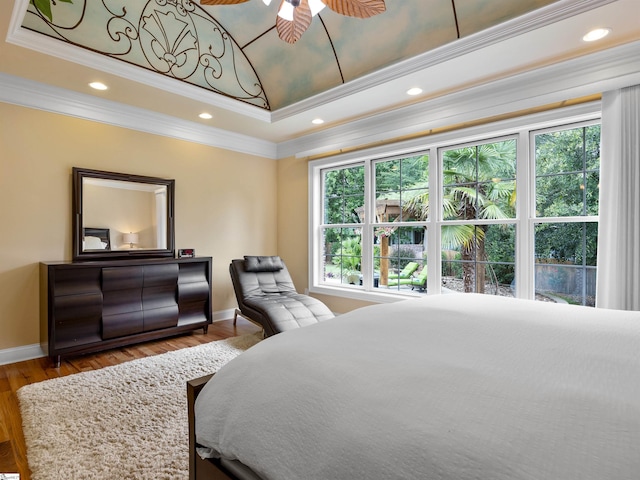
79	254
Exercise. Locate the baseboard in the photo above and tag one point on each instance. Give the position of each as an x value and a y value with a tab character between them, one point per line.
20	354
29	352
223	315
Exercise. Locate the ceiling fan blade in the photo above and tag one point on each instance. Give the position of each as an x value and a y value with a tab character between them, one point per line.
221	2
291	32
356	8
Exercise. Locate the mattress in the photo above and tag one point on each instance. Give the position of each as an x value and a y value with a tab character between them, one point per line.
454	386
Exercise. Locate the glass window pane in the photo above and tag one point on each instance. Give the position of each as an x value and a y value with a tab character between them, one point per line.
559	152
343	195
387	177
560	195
592	192
567	172
479	182
567	243
342	255
479	258
566	261
354	181
415	171
388	210
334	210
415	204
460	166
402	189
566	284
497	199
333	183
400	258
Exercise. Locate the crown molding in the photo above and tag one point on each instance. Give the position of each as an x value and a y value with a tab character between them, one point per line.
544	16
28	93
591	74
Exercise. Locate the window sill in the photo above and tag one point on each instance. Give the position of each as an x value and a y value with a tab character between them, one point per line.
358	293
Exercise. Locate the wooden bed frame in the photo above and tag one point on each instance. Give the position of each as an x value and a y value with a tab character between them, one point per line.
199	468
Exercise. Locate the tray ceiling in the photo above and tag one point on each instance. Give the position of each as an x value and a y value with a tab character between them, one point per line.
167	61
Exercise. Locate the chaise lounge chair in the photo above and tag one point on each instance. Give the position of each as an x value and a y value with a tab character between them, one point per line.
267	296
418	281
406	272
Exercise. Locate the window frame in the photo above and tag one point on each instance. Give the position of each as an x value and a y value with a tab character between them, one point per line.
521	128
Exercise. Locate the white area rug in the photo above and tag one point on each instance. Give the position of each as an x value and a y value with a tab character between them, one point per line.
128	421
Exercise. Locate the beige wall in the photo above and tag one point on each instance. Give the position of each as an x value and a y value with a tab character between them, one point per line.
221	210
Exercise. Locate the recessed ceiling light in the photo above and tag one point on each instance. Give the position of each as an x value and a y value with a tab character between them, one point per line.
596	34
206	116
98	86
317	121
414	91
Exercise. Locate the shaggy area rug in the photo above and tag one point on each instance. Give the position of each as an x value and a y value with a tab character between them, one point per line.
127	421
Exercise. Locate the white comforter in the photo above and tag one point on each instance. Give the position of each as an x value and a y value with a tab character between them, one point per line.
445	387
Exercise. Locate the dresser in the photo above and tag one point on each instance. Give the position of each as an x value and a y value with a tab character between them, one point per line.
91	306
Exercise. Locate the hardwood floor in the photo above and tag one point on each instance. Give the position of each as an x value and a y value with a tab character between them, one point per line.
13	456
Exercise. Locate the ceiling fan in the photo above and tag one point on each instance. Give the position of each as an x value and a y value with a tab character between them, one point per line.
294	16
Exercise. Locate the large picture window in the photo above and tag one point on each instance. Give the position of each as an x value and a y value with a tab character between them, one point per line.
512	215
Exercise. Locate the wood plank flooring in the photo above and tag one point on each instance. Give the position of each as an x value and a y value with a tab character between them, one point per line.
13	455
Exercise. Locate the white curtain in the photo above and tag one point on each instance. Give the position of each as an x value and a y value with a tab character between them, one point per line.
618	283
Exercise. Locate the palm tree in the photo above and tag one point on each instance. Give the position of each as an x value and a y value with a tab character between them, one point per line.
478	184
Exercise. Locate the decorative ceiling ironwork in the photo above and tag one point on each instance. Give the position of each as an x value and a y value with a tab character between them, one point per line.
175	38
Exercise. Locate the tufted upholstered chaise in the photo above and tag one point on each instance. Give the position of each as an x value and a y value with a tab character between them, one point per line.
267	296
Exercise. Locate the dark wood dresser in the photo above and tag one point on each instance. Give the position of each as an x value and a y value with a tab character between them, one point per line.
92	306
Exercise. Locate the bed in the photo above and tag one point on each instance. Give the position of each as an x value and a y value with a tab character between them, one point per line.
96	239
452	386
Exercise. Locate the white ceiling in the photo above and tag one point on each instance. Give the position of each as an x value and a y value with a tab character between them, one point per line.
528	61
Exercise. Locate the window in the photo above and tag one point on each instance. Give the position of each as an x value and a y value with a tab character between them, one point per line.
514	214
341	240
401	208
566	207
479	186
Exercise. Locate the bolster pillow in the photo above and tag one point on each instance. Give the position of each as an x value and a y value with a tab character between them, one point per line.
263	264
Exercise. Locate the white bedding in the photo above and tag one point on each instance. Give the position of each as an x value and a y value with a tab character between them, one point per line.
445	387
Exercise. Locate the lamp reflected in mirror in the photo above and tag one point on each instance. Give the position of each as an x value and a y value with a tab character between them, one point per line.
131	238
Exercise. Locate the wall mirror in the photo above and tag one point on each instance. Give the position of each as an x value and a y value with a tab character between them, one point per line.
116	215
